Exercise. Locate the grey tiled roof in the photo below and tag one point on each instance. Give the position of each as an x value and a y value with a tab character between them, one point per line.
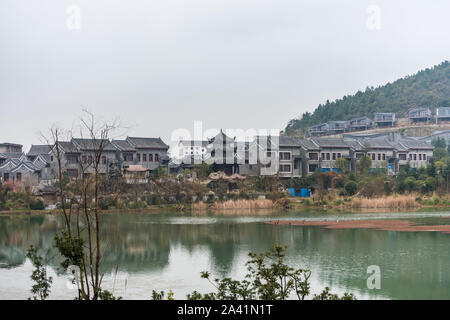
93	144
309	145
142	143
123	145
11	155
289	141
330	142
416	144
67	146
39	149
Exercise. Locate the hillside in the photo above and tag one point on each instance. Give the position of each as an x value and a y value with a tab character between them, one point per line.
427	88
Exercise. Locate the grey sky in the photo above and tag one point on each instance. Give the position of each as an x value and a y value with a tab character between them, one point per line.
159	65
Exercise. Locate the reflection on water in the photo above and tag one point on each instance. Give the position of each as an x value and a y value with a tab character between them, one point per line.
166	251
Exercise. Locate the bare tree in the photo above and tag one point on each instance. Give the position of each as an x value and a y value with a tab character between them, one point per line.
80	241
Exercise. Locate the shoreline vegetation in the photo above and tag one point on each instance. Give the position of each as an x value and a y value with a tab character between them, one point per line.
385	204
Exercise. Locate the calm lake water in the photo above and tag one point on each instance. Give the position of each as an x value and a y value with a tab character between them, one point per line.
168	251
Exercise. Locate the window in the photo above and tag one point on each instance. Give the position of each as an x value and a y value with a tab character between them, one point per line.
313	156
420	156
384	156
150	157
339	155
373	156
328	156
156	157
415	157
103	159
379	156
6	177
285	156
402	156
128	156
144	157
296	164
138	157
73	173
424	156
410	156
72	159
19	176
285	168
312	167
51	158
322	155
334	156
358	156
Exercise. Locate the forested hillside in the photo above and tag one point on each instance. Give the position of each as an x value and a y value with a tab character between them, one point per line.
427	88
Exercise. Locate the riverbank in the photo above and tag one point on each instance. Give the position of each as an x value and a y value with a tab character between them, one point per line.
385	225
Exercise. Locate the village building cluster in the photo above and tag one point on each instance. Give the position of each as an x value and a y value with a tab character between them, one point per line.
380	119
285	156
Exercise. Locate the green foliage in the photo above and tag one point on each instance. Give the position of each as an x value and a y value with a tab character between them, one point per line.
326	295
371	186
204	170
42	282
365	163
3	196
351	187
37	204
106	295
71	248
439	153
439	142
427	88
268	278
341	164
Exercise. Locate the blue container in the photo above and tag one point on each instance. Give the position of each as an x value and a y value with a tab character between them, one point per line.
304	192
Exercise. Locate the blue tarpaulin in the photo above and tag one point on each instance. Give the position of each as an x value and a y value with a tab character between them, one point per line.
304	192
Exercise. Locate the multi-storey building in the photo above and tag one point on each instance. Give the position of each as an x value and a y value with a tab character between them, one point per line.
386	119
419	115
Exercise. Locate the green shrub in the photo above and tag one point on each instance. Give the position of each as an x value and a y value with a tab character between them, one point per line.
351	187
37	204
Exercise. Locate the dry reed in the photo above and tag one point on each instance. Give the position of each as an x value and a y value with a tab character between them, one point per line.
391	202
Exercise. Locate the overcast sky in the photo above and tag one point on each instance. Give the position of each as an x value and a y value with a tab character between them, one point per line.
158	65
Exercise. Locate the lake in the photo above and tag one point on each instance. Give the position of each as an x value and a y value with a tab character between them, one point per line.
145	252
